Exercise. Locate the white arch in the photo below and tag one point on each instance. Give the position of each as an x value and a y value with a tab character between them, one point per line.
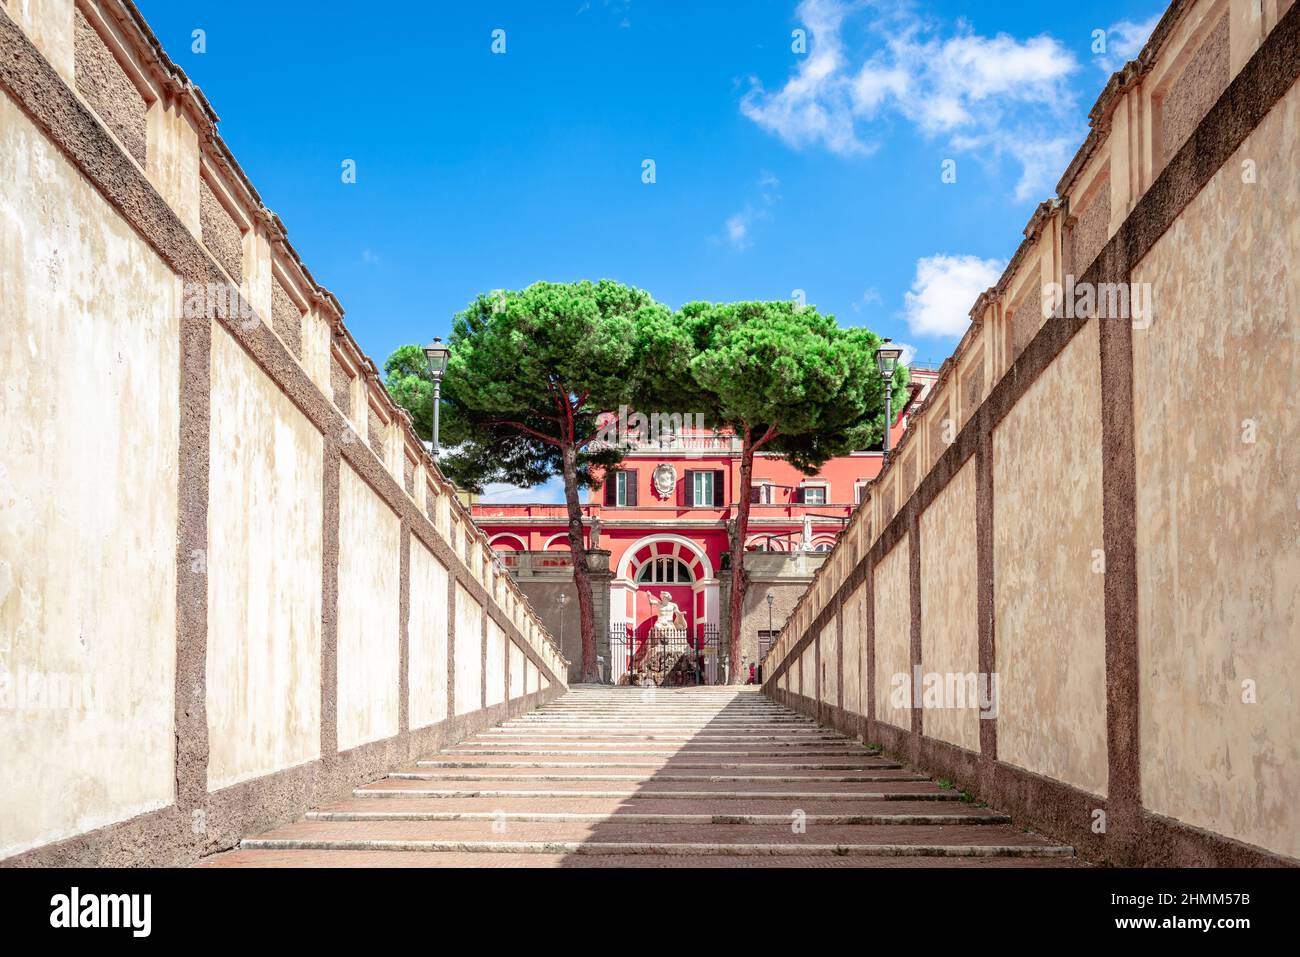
523	546
625	563
546	547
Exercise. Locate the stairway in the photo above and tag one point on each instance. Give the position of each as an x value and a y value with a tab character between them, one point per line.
610	777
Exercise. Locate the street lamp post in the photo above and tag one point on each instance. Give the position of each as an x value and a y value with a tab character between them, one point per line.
437	354
564	600
886	361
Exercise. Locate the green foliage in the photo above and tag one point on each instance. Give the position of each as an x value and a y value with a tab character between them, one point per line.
778	369
406	374
531	371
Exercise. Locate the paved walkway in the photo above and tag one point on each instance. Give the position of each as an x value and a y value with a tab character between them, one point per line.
608	777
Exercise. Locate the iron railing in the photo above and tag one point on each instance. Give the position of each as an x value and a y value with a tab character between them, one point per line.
666	657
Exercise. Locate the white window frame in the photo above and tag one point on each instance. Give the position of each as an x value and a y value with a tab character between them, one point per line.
819	487
704	477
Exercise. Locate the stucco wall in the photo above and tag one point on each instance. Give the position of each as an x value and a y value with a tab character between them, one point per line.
427	630
949	607
853	632
88	502
1218	516
203	615
1048	594
808	672
516	671
264	574
368	640
1113	530
469	652
495	673
830	642
893	617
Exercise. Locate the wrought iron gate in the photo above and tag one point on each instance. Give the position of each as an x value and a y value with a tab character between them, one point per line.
673	658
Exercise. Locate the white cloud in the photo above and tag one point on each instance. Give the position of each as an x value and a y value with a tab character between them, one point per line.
739	224
870	296
738	230
998	94
1124	41
944	290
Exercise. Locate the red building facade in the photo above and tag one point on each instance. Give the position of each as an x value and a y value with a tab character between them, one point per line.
663	516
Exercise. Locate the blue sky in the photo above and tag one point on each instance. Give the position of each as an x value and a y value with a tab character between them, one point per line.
775	170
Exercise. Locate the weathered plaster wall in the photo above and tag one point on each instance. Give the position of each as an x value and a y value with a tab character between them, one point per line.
368	639
495	671
949	606
427	630
516	671
88	502
204	592
830	670
1048	593
808	672
1218	486
854	624
263	574
893	616
1136	545
469	652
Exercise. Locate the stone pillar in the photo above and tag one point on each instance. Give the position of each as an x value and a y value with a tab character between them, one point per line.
601	577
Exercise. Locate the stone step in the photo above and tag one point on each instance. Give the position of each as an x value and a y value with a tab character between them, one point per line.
782	807
423	859
883	840
635	817
884	791
445	762
660	752
629	741
646	777
690	777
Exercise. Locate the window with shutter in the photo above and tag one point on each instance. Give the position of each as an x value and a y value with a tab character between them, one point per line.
633	480
704	486
718	499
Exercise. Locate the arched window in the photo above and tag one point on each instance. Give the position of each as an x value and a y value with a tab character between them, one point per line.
664	571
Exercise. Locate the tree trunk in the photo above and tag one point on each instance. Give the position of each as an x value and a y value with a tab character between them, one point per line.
581	573
739	578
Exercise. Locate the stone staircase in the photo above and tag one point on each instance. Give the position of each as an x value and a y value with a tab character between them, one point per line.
610	777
